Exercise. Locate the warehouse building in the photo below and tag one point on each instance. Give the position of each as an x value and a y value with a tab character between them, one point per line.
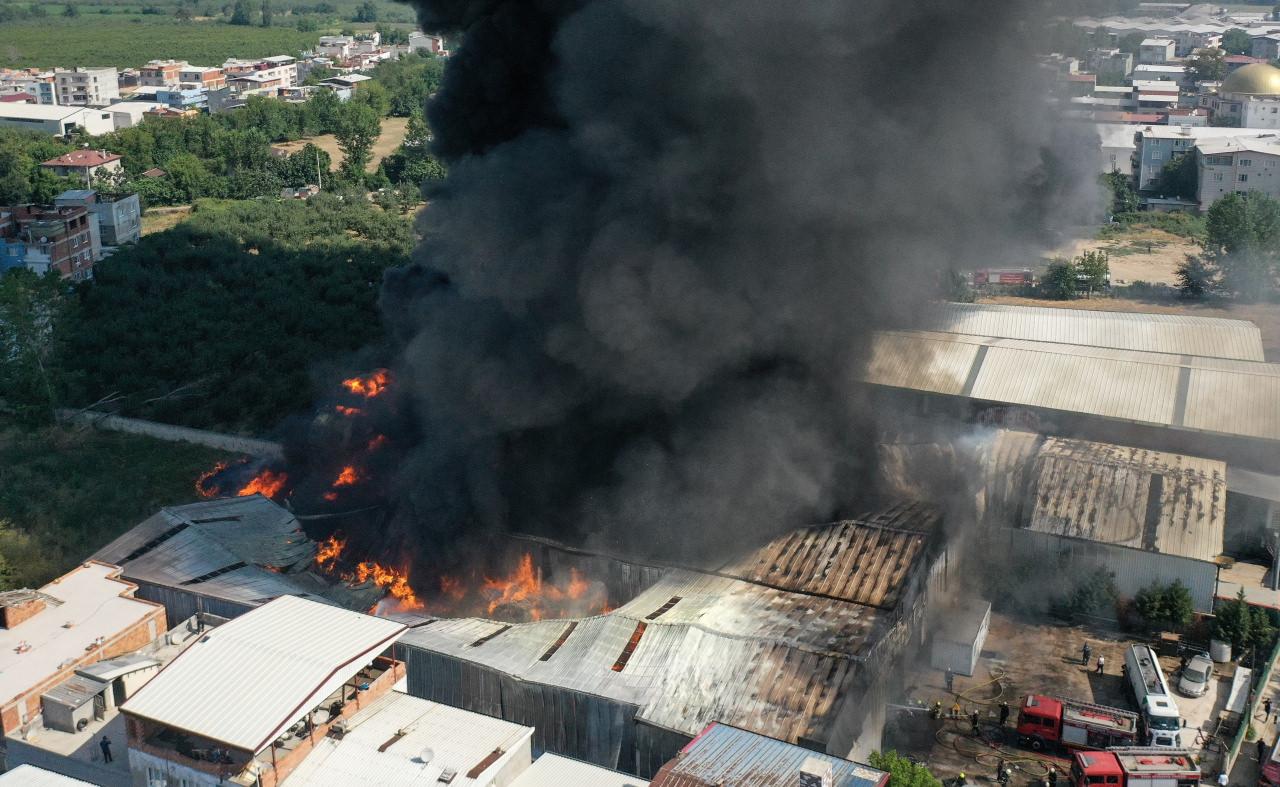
1170	383
225	557
794	641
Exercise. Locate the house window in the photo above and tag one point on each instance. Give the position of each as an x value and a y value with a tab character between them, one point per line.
1218	176
1246	162
1156	155
1244	178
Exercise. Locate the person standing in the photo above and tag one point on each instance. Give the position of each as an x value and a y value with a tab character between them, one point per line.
1266	708
1000	770
1004	713
1085	652
1102	662
950	678
1053	776
105	745
973	722
1262	750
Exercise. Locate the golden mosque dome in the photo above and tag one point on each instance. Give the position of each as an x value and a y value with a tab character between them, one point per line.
1258	79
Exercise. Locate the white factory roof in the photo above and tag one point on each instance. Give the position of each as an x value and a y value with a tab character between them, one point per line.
38	111
1156	85
1157	41
261	672
1166	98
1156	68
134	107
83	606
31	776
388	743
1199	132
1215	395
552	770
1158	333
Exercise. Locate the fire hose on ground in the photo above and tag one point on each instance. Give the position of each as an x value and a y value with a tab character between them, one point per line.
989	753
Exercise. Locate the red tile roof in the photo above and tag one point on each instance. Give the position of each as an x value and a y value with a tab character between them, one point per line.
17	98
81	158
1082	77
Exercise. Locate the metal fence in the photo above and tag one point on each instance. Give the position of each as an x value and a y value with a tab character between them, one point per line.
1257	694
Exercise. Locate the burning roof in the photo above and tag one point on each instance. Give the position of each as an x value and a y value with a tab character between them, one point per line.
778	652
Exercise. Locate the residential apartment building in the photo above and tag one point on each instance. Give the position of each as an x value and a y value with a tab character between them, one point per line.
184	97
119	215
161	73
1156	145
1157	50
48	239
86	87
276	71
205	77
1266	47
336	47
1249	97
419	41
1239	165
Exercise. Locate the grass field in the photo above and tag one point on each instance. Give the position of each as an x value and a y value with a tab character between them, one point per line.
393	130
64	493
130	41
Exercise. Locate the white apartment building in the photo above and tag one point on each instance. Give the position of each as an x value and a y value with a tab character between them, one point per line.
1114	59
86	87
1155	146
276	71
1157	51
1238	164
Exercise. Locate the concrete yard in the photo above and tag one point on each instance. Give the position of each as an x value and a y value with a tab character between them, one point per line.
1020	658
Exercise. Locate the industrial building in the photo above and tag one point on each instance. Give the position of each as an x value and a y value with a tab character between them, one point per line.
795	641
31	776
249	699
225	557
78	619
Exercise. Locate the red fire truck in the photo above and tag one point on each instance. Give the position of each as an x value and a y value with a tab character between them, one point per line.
1052	721
1270	776
1135	767
1006	276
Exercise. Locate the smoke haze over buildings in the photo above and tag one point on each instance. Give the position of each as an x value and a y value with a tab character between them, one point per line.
667	233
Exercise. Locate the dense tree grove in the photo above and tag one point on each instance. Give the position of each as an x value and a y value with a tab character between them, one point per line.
1243	242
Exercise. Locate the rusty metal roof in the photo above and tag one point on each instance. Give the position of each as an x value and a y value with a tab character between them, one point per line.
723	755
1132	497
863	563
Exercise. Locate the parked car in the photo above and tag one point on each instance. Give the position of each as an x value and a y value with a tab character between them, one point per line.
1196	676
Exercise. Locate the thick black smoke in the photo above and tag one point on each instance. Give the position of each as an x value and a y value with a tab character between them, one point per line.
667	234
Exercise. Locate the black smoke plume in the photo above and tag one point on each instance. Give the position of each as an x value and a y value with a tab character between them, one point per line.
668	231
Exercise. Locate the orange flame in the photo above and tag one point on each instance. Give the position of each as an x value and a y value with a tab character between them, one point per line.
266	483
396	583
329	551
330	496
452	587
369	386
348	477
525	586
377	442
202	488
349	412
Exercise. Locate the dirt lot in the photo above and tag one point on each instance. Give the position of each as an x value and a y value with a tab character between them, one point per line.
164	218
1265	315
1021	658
393	130
1148	255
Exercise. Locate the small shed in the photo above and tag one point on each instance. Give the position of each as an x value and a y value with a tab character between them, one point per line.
73	704
959	643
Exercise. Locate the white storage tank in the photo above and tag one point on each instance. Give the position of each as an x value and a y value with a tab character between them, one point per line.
959	641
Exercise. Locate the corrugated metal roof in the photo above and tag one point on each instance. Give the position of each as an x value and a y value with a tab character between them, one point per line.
110	669
247	680
552	770
1221	396
407	741
724	755
31	776
1133	497
775	652
847	560
1165	333
76	691
242	549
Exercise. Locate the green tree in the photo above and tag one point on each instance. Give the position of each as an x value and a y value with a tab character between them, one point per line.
902	772
1262	632
357	128
1237	41
1207	65
183	14
306	24
240	14
1131	43
318	74
31	308
1059	281
1093	269
367	12
1243	241
1165	606
189	176
266	13
1195	278
71	11
1231	622
375	96
1179	177
1124	199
